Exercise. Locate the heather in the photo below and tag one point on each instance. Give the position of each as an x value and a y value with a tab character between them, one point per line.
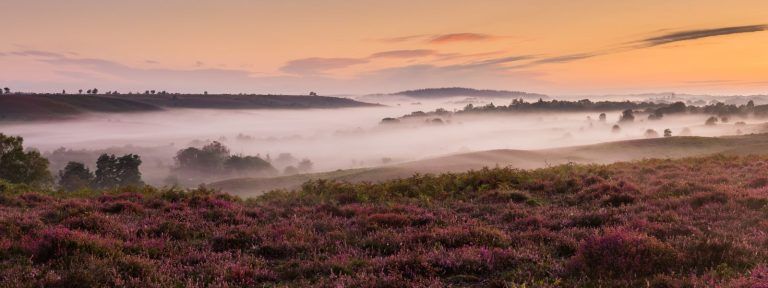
696	222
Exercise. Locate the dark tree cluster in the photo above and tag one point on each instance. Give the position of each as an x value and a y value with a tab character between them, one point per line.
18	166
655	111
215	159
111	172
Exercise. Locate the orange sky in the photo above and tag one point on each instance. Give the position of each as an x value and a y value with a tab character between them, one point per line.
337	47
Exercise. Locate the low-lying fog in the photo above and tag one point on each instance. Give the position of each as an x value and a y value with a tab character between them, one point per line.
342	138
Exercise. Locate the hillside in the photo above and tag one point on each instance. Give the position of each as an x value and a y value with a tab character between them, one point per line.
467	92
670	147
48	106
695	222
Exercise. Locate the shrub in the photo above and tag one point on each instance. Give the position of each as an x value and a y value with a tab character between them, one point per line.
622	254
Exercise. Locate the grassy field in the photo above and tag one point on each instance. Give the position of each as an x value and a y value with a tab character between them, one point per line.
693	222
48	106
670	147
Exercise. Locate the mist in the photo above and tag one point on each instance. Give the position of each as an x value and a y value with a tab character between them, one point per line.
345	138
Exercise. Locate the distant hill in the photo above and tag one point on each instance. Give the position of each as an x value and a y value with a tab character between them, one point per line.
52	106
469	92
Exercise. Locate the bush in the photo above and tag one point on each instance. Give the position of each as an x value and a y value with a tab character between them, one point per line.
623	254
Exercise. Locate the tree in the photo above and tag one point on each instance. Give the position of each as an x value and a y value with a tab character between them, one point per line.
95	91
650	133
7	90
312	94
113	171
210	158
246	164
615	128
22	167
75	176
88	92
667	133
305	166
711	121
602	117
751	104
627	116
80	91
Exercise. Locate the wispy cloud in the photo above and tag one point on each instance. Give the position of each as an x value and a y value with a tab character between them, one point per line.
443	38
38	53
460	37
318	65
404	38
667	38
416	53
703	33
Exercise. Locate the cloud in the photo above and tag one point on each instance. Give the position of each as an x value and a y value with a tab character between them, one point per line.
568	58
318	66
495	63
35	53
416	53
703	33
404	38
667	38
460	37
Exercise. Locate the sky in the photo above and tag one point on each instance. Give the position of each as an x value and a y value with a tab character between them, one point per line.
337	47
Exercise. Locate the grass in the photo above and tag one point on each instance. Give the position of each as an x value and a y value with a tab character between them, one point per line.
693	222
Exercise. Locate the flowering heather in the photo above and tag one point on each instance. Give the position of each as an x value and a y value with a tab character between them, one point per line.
698	222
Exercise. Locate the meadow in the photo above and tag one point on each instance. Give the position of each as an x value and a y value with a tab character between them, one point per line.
693	222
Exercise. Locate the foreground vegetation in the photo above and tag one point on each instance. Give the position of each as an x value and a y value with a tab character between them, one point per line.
659	223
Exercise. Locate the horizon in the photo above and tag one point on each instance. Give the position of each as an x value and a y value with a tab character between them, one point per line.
338	48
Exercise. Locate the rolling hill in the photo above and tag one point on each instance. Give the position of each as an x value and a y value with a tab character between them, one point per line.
53	106
432	93
671	147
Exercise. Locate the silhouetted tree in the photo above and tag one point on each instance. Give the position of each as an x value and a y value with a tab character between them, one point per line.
711	121
7	90
656	115
602	117
615	128
667	133
312	94
112	171
305	166
22	167
75	176
650	133
627	116
290	170
210	158
95	91
244	164
80	91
